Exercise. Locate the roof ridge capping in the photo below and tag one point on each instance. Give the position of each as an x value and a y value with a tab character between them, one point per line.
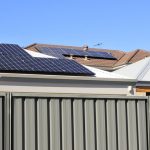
28	46
134	53
131	53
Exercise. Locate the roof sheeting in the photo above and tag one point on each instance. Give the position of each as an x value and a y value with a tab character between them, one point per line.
139	70
105	74
37	54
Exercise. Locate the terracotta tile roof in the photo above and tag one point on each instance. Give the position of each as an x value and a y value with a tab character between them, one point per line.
122	58
96	62
133	56
125	59
139	55
116	53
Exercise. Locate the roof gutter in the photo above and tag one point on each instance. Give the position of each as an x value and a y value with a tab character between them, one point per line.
143	83
62	77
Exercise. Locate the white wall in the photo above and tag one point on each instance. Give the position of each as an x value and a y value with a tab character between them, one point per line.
63	86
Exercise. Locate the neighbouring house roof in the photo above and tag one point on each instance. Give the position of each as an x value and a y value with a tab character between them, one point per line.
116	53
139	70
126	58
90	62
132	57
122	58
98	72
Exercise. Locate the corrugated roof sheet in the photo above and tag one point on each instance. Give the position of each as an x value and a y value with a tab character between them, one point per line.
105	74
37	54
139	70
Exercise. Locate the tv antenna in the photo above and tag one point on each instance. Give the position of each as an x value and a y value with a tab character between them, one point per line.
98	44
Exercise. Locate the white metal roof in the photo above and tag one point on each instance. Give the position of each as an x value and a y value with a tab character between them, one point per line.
36	54
139	70
105	74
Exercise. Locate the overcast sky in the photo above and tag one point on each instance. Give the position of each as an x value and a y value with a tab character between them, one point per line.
117	24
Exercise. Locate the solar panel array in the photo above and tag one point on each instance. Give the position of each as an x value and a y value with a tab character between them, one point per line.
13	50
62	52
14	59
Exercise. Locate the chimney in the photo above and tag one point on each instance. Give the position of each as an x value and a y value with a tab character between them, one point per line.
85	47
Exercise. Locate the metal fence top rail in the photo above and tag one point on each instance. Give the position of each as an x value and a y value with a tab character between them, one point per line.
78	96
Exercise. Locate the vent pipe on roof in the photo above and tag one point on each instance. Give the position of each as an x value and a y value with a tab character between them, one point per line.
85	58
71	56
85	47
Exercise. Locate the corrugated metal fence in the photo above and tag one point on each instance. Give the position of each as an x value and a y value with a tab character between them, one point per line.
75	123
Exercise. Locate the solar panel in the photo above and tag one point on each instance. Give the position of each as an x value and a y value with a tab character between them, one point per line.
52	52
13	50
61	52
100	55
22	62
65	66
